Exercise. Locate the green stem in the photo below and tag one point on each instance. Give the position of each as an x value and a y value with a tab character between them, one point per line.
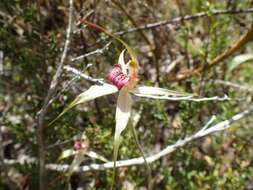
140	149
101	29
115	155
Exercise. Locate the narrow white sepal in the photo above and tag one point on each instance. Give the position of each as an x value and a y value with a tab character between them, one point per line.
147	91
95	155
123	112
67	153
122	62
94	92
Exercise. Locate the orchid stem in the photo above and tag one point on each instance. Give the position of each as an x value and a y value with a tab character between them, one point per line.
102	29
117	142
142	153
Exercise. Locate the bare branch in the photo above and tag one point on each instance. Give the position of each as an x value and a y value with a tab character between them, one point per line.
59	143
97	51
22	159
50	94
84	76
204	131
169	149
184	18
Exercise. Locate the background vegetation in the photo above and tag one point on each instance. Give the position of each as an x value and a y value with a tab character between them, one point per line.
32	37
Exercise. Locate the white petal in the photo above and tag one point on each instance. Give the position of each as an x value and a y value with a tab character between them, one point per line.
164	94
155	91
67	153
92	93
122	62
95	155
123	111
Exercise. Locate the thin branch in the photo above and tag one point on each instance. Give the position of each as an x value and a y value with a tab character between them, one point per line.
59	143
204	131
97	51
209	123
169	149
184	18
50	94
84	76
22	159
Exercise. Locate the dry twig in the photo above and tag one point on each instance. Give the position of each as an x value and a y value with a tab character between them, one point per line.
97	51
50	94
167	150
183	18
204	131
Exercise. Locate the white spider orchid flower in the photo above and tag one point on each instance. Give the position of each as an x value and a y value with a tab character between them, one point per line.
123	78
80	151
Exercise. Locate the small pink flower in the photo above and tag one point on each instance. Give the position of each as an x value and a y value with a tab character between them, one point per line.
81	145
77	145
117	77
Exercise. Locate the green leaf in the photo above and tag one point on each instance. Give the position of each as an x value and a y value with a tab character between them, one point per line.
238	60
